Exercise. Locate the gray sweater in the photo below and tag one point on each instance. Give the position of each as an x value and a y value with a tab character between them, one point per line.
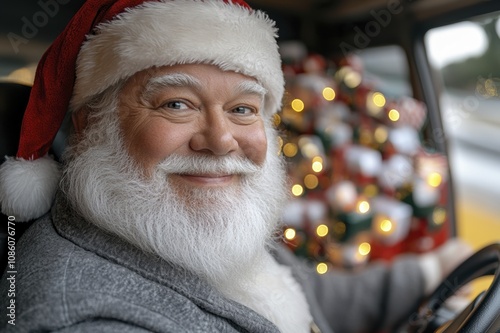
74	277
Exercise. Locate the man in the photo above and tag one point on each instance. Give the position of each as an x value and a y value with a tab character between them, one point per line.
171	187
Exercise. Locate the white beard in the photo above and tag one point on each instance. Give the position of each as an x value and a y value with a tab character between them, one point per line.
220	234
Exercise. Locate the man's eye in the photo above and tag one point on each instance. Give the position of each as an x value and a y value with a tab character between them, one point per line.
177	105
243	110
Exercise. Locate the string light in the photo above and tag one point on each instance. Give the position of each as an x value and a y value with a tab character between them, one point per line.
363	207
378	99
308	147
352	79
434	179
322	268
290	233
381	134
374	103
290	149
322	230
318	159
297	105
311	181
386	225
364	248
329	94
393	115
297	190
439	216
317	164
276	120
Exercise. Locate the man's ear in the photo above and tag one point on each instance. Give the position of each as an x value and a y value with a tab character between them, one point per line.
80	121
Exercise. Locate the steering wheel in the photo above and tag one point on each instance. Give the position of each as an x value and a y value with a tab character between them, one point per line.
482	315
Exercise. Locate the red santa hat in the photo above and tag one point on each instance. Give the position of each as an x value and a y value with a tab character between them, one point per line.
110	40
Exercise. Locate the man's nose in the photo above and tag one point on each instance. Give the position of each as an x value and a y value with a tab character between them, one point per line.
215	134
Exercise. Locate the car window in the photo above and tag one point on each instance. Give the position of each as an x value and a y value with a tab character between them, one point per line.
466	66
464	57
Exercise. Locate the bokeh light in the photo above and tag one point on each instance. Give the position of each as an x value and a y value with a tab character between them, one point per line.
297	105
393	115
322	230
439	215
329	94
363	207
364	248
434	179
386	225
290	149
378	99
381	134
290	233
297	190
352	79
322	268
311	181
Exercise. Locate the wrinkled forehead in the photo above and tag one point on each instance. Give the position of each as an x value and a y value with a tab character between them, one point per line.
198	77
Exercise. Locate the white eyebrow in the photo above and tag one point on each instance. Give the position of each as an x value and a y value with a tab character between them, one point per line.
251	87
170	80
186	80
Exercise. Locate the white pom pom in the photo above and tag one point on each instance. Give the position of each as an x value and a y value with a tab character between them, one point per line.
28	188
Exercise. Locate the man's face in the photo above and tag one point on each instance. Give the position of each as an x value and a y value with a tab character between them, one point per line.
188	110
180	162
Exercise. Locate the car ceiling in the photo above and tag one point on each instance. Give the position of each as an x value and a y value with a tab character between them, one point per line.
306	20
321	10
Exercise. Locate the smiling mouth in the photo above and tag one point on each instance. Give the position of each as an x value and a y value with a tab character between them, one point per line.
208	179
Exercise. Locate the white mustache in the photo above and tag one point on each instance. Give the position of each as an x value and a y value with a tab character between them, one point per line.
205	164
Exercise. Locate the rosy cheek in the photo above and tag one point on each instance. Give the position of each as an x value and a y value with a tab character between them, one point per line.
254	145
150	144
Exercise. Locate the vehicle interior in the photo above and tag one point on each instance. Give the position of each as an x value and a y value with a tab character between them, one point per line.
442	53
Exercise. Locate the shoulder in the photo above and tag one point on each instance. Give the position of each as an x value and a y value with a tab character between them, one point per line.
59	284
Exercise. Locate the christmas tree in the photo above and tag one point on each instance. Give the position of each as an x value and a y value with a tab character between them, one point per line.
364	185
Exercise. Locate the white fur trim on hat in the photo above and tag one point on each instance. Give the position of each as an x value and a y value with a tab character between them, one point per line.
27	188
166	33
